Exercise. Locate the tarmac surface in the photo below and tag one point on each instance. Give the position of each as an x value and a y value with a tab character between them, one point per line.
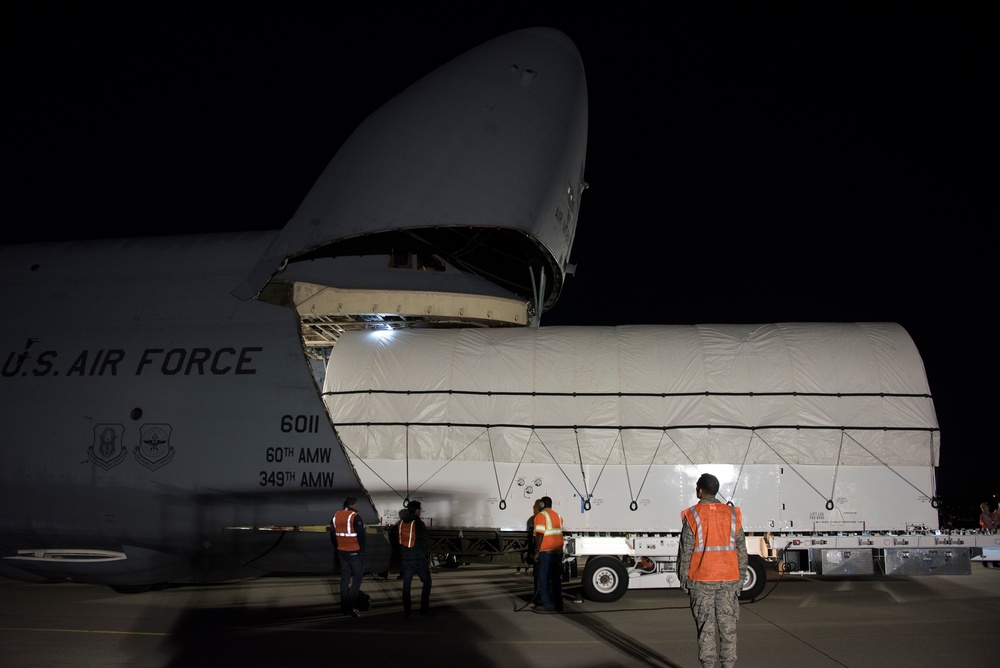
483	619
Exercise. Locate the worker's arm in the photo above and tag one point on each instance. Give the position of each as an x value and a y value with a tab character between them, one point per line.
359	529
684	555
741	555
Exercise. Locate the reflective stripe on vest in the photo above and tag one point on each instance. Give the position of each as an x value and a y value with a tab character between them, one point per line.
407	534
343	526
715	526
549	524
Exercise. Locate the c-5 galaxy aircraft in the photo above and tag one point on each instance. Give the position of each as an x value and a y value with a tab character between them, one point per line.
159	396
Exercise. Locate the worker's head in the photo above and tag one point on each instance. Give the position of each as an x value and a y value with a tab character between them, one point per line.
544	502
708	484
413	506
350	501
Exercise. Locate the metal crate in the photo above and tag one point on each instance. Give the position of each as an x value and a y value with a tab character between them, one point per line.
847	562
928	561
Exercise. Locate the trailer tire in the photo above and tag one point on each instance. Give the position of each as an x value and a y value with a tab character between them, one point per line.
754	580
604	579
449	561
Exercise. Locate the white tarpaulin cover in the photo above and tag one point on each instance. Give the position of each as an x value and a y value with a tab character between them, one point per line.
847	394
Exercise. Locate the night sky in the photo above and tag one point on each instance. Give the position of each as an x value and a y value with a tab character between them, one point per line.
771	163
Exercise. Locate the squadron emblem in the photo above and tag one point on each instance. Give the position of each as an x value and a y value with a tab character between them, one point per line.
154	449
107	450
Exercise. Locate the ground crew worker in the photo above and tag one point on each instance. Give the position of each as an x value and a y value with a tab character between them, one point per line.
348	534
413	558
549	555
711	563
987	520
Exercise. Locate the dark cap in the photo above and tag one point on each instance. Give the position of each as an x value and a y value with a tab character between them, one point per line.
413	505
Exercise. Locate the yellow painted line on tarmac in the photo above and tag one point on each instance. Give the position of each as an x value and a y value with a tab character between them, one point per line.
114	633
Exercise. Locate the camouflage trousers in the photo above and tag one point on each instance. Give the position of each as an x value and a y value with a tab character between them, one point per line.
716	607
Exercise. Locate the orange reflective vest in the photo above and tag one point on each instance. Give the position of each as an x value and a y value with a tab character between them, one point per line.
715	526
408	534
343	527
549	524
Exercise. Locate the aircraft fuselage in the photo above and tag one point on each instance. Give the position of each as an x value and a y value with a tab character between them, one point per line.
148	421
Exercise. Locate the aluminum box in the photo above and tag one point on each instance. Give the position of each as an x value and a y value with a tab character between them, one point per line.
857	561
928	561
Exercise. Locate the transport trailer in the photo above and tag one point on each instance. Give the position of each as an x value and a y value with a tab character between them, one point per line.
824	434
616	563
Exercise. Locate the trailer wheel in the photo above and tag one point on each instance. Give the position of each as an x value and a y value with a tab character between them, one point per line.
449	561
754	579
604	579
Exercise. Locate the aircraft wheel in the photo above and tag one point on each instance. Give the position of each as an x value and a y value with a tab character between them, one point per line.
604	579
754	579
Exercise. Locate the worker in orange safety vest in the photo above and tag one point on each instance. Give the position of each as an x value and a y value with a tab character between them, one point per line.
549	556
414	559
711	562
987	520
348	534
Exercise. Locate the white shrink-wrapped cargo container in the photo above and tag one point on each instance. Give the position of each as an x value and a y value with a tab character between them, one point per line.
810	427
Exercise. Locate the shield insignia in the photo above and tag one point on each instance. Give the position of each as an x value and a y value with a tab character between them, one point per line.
107	449
154	449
